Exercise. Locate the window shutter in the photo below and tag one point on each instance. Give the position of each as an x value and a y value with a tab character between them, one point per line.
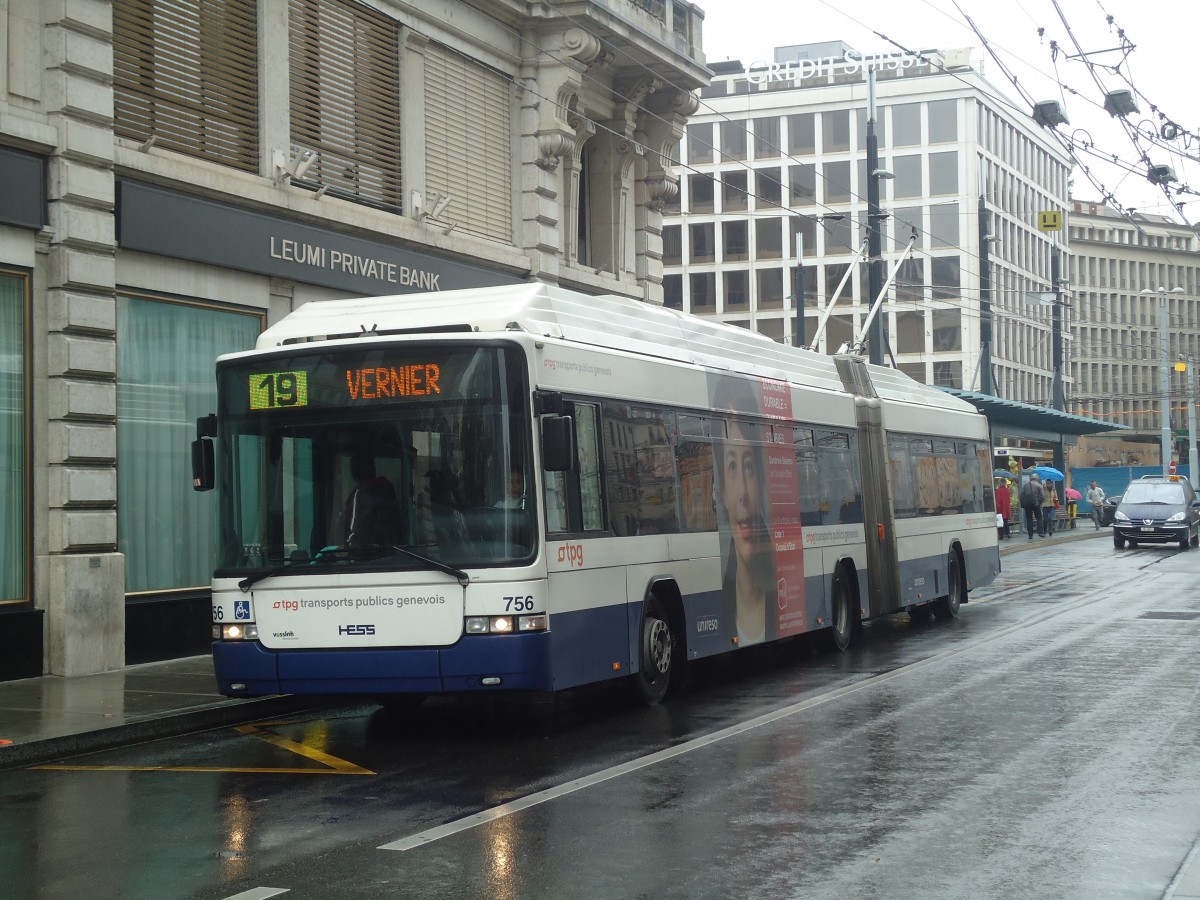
468	151
345	98
185	72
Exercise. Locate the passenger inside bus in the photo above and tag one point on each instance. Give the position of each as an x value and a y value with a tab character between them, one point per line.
373	516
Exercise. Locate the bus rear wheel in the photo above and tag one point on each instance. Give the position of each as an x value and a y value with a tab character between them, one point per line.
841	629
956	589
657	652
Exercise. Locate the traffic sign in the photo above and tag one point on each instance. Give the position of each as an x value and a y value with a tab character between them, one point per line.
1050	220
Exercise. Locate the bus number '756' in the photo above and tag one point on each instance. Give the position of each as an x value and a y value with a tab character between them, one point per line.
518	604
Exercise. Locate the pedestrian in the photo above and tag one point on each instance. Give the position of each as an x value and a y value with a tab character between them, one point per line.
1003	504
1095	496
1049	507
1031	504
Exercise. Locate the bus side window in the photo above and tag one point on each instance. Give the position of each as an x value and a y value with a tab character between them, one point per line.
573	499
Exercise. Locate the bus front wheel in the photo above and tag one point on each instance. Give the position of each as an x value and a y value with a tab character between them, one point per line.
657	654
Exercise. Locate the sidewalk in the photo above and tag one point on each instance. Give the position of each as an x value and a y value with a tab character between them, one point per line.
51	717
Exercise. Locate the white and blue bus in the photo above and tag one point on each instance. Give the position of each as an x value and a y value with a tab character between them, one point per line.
524	488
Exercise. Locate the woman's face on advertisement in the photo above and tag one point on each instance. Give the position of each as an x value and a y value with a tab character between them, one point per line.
742	491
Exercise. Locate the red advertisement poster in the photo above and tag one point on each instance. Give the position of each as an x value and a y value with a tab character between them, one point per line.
783	494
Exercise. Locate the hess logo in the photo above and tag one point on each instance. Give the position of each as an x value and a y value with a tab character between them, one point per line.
356	629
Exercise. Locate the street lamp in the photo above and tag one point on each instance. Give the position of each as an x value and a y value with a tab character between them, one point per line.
1164	379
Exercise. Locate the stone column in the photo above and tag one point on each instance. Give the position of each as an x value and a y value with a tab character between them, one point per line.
82	583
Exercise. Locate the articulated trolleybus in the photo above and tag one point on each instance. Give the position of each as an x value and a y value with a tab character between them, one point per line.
523	488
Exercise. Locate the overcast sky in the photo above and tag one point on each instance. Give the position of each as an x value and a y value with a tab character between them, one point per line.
1164	65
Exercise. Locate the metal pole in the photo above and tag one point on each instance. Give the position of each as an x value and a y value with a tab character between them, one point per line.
1192	462
798	291
985	302
1164	381
874	220
1057	399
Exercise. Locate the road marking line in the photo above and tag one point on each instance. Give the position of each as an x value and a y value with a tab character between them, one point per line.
507	809
259	893
333	765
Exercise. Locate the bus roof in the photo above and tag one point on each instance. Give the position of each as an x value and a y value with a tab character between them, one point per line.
609	321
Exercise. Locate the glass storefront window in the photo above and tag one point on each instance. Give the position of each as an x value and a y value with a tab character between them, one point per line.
166	379
14	511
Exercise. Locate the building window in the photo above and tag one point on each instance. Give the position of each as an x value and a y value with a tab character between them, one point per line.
186	74
700	143
943	225
945	277
770	288
703	246
345	99
737	290
835	130
908	181
837	181
768	187
947	330
766	138
704	290
943	121
906	125
468	142
943	173
910	281
735	241
165	381
14	438
802	180
672	245
733	140
733	191
768	238
801	135
948	374
910	333
673	291
700	194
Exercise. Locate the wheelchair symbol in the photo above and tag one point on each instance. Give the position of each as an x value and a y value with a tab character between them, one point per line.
241	610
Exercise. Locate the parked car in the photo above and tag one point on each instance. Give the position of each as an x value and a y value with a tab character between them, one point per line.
1158	510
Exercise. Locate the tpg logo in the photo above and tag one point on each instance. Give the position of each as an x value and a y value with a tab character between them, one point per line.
356	629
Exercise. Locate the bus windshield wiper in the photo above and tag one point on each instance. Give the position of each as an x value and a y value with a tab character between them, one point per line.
250	580
463	578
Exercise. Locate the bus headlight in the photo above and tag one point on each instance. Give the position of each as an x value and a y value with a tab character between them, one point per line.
505	624
240	632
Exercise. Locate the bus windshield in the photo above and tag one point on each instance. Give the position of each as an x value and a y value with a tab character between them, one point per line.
398	456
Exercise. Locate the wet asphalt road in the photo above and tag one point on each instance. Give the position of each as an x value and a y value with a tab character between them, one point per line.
1045	744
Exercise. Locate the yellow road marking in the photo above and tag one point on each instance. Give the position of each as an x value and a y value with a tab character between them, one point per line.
332	764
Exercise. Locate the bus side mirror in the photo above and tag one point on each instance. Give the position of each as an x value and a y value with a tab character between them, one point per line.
558	443
203	464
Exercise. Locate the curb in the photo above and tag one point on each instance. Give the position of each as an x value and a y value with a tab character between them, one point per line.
219	715
1015	545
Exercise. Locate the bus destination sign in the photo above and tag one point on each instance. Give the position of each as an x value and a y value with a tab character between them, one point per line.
379	382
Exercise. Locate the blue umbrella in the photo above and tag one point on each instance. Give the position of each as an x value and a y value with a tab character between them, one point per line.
1048	473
